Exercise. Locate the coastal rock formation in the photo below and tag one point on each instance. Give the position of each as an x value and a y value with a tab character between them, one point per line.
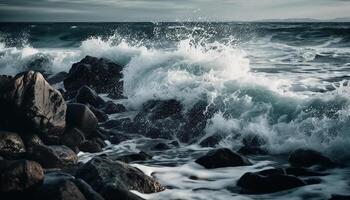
31	102
88	96
52	156
100	74
11	145
308	158
19	175
81	117
222	158
113	177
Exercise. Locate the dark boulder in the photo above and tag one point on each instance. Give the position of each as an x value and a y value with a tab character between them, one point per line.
57	78
81	117
256	183
113	178
100	115
210	141
308	158
161	146
141	156
86	189
52	156
73	138
222	158
340	197
58	188
90	146
277	179
87	96
160	119
20	175
99	74
11	145
111	108
31	139
31	102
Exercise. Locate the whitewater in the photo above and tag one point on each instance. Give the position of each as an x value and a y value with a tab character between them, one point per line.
287	83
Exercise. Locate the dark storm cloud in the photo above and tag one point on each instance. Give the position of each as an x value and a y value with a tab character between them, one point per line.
168	10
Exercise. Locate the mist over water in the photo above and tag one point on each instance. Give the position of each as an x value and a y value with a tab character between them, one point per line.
287	83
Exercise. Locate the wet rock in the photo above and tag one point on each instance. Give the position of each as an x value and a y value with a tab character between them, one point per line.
111	108
113	178
52	156
91	146
20	175
124	124
73	138
159	119
87	96
31	139
222	158
99	74
58	188
141	156
210	141
340	197
161	146
81	117
57	78
308	158
257	183
11	145
116	138
31	102
111	193
251	150
86	189
100	115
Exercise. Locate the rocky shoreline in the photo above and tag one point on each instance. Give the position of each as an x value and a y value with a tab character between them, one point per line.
42	129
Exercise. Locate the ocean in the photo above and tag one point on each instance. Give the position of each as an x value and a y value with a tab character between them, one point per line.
286	82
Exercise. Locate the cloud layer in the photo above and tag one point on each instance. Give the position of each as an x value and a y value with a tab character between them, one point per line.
169	10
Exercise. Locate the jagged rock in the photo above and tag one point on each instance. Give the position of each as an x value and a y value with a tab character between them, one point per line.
11	145
81	117
308	158
100	74
111	108
141	156
31	102
73	138
88	96
20	175
114	178
52	156
222	158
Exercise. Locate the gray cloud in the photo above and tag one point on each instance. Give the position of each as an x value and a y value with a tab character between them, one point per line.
169	10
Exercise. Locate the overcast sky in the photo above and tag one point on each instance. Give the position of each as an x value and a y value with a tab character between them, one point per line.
170	10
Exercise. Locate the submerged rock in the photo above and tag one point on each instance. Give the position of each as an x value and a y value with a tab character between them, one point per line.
222	158
308	158
111	108
276	179
20	175
11	145
256	183
52	156
114	178
32	103
100	74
